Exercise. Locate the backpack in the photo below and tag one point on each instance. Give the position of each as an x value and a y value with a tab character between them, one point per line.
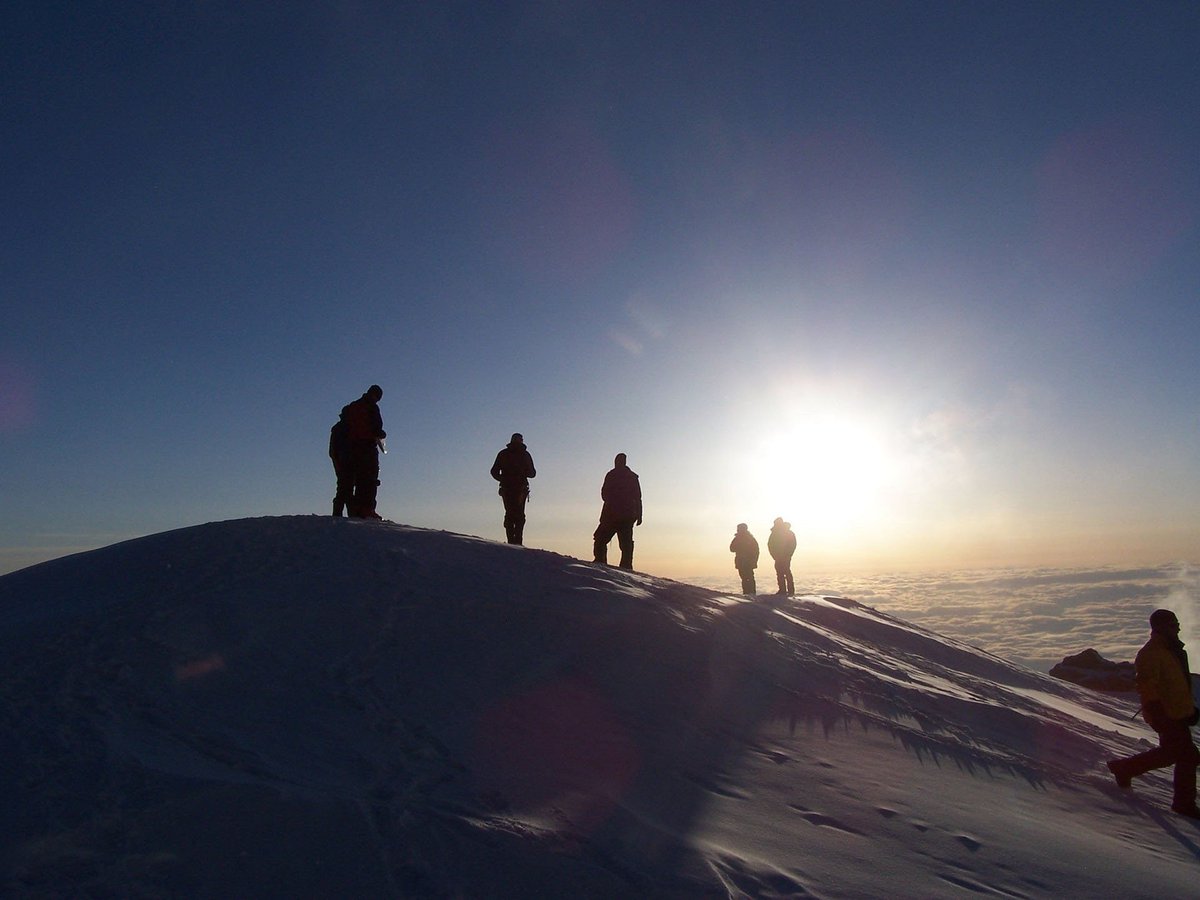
338	436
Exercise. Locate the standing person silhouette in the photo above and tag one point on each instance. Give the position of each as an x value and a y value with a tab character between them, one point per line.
781	545
513	468
622	509
364	431
1164	682
340	456
744	548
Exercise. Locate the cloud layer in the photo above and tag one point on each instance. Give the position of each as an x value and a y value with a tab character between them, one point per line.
1031	616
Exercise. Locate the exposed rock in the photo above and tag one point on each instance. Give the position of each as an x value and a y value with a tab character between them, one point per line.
1092	670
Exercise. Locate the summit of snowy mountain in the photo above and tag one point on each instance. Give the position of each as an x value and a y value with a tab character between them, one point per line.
316	707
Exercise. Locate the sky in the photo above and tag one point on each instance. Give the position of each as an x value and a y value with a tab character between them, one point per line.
920	278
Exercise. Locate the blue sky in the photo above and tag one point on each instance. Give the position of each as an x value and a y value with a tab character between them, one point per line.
919	277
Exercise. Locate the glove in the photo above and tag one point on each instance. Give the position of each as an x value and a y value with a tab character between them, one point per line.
1155	715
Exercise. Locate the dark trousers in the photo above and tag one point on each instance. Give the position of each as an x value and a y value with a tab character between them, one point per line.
748	586
604	533
345	486
514	511
783	573
1175	747
364	472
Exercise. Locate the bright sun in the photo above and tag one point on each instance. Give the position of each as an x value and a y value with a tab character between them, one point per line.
826	473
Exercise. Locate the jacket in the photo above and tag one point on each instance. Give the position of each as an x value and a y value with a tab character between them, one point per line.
622	496
1161	672
337	439
363	420
513	466
744	548
782	542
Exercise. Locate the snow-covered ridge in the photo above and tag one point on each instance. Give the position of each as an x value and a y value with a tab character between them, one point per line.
305	706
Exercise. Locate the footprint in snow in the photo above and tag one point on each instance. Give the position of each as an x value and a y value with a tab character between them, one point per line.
824	821
969	842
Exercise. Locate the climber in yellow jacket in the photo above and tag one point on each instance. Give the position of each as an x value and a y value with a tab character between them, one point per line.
1164	682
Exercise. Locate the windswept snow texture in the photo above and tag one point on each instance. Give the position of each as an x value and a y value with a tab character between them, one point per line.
311	707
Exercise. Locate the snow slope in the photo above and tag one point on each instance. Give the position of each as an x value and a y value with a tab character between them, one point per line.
311	707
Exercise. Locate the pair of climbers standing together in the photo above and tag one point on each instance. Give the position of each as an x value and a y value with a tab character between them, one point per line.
354	444
621	494
781	545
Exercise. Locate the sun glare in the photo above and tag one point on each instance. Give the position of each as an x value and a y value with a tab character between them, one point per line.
825	474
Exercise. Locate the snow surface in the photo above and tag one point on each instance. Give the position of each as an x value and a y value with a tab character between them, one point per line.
316	707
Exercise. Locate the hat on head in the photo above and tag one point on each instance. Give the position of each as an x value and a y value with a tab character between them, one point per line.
1163	618
517	438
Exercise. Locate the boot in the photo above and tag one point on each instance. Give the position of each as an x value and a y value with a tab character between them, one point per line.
627	558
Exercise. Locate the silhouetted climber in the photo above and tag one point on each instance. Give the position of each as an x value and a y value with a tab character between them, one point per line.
364	431
622	496
744	548
1164	682
781	545
339	454
513	468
